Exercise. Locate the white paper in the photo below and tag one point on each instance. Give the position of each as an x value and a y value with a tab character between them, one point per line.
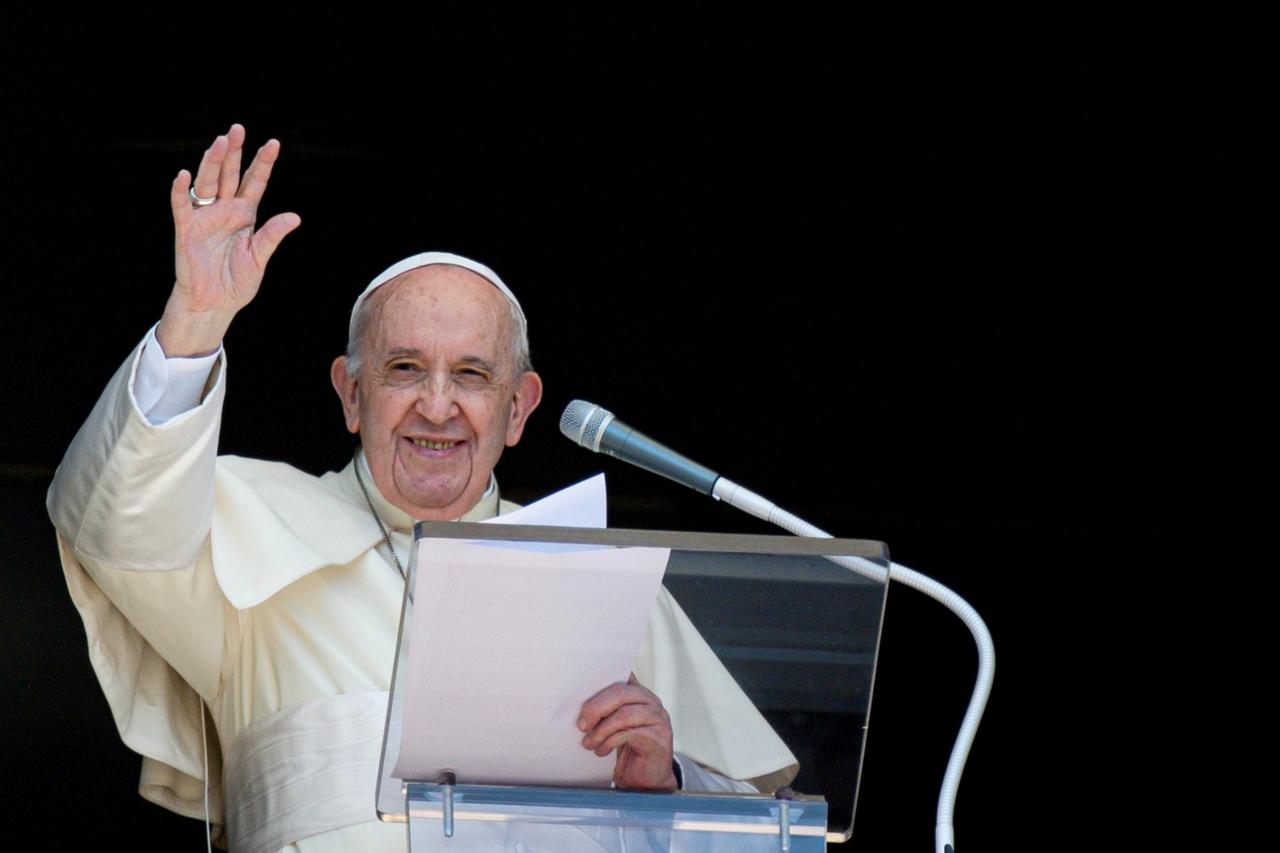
506	643
580	505
583	504
505	647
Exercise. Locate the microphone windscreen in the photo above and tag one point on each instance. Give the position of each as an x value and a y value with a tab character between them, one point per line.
582	422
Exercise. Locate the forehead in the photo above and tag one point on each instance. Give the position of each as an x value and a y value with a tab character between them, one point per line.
439	305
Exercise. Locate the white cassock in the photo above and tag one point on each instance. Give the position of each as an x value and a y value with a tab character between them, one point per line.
266	595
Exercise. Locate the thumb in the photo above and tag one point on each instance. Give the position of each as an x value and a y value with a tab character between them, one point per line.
268	237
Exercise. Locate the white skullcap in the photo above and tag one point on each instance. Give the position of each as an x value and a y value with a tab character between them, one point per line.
426	259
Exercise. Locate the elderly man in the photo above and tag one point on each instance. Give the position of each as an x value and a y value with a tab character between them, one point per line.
264	600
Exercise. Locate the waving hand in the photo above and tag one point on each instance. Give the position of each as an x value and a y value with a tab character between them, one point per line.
219	257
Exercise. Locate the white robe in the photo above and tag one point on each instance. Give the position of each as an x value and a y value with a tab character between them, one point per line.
253	588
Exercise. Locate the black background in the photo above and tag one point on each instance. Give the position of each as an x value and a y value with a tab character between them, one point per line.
975	288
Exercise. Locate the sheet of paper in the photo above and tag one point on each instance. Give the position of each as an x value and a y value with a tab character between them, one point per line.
580	505
583	504
506	645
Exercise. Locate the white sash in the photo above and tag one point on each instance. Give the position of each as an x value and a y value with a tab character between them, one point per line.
307	769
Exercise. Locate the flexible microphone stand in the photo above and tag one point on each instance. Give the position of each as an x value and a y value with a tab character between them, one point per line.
597	430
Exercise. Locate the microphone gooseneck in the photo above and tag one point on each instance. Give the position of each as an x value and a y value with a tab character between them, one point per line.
596	429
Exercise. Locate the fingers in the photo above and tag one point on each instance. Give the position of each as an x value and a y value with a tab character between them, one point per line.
218	175
645	727
259	172
643	741
619	708
605	703
268	237
178	199
206	182
630	720
229	175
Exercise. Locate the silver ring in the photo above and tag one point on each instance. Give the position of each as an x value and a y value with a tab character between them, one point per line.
199	201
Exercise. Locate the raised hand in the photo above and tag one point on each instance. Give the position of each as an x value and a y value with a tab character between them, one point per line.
631	719
219	258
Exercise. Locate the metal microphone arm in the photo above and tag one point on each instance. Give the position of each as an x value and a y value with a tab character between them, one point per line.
596	429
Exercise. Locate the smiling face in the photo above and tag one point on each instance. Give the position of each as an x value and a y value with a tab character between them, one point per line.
437	394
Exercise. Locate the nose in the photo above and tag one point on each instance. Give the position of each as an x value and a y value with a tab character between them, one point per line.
437	399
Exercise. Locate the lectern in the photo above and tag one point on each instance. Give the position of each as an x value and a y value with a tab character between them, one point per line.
799	635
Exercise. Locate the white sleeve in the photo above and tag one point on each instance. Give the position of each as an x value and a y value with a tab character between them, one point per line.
695	777
164	388
133	506
132	494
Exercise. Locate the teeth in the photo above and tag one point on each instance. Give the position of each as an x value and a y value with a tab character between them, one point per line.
433	445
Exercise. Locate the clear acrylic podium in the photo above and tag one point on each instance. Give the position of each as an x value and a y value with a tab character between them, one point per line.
796	631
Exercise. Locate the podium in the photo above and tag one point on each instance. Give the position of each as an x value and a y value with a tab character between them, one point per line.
797	633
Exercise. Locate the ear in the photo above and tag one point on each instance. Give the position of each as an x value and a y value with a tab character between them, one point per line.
345	384
527	397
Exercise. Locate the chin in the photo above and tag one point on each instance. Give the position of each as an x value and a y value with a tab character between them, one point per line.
451	504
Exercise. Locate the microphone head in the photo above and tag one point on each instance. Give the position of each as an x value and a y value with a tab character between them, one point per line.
583	423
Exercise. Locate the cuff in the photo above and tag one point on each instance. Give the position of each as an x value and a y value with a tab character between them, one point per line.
164	388
692	776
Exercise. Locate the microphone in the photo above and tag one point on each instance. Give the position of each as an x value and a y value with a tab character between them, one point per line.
598	430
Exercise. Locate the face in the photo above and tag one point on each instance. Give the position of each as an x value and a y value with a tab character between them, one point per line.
438	395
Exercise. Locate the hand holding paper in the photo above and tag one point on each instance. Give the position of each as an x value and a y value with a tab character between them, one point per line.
510	641
631	719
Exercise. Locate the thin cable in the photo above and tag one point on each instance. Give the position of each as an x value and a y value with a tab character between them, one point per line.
204	746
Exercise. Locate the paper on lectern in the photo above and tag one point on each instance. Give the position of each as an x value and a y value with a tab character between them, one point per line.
507	642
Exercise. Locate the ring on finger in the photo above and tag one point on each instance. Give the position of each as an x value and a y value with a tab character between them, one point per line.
199	200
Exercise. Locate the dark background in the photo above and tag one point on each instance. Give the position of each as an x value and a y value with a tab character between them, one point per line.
974	288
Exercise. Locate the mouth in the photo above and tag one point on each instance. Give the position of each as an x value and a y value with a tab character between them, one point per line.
433	445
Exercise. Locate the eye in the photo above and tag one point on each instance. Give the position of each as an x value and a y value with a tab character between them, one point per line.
472	376
402	372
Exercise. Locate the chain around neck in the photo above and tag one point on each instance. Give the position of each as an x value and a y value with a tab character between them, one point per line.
386	537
